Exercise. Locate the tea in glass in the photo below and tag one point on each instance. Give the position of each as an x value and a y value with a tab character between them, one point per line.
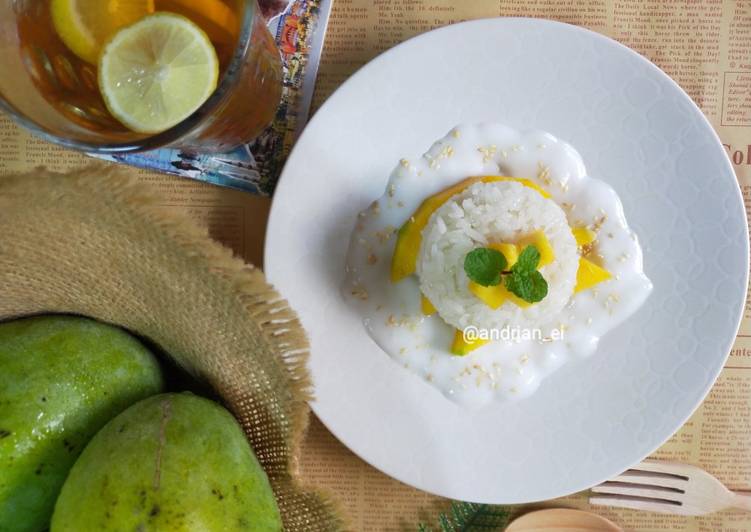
128	75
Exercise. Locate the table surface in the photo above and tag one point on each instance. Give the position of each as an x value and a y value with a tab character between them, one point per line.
717	437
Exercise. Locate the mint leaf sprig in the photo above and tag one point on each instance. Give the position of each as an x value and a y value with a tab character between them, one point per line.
487	267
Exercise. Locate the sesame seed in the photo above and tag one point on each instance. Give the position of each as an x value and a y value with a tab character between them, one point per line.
456	134
391	321
516	147
524	359
446	152
404	163
512	390
402	350
360	293
589	321
400	204
392	190
429	377
541	146
372	259
487	152
543	173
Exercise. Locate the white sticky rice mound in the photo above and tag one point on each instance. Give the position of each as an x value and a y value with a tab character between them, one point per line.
504	211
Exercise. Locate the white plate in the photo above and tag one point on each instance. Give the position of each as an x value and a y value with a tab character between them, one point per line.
635	129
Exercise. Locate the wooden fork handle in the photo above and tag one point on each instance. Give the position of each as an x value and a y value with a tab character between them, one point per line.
742	501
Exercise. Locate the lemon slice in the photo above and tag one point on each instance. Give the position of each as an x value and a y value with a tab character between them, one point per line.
85	25
157	72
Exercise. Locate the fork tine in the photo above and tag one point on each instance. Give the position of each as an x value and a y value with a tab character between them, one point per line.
636	503
649	478
662	468
668	495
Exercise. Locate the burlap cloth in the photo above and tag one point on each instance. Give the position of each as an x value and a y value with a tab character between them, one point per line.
95	243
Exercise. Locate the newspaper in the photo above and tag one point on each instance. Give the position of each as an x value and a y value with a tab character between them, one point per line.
705	45
298	27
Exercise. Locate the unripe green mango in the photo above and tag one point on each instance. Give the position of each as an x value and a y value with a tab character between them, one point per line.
61	379
172	462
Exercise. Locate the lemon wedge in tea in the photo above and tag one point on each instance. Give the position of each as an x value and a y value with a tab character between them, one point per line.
155	73
85	25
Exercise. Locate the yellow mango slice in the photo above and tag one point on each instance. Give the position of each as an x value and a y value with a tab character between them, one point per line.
583	236
495	296
540	241
427	307
492	296
510	251
589	274
410	234
460	347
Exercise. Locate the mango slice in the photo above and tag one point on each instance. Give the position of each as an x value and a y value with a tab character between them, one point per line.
495	296
460	347
410	234
540	241
589	274
510	251
427	307
583	236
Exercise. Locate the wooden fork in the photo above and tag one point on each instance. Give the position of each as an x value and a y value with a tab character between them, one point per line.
668	487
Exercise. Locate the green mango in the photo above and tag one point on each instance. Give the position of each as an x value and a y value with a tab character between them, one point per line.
172	462
61	379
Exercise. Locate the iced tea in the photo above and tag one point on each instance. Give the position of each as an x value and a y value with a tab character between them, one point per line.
244	102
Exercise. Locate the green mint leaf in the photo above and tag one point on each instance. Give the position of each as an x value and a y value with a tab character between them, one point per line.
528	260
518	284
529	286
539	288
484	266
